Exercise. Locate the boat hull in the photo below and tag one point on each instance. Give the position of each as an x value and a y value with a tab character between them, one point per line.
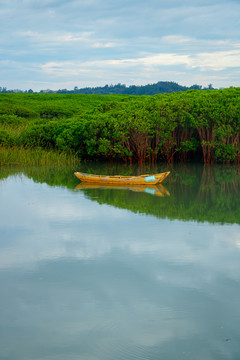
122	180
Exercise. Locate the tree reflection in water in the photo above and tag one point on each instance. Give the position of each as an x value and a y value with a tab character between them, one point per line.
191	192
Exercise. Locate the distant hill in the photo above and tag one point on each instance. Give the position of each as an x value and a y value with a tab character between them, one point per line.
160	87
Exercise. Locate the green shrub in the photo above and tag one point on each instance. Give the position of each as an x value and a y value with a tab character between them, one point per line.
6	139
7	119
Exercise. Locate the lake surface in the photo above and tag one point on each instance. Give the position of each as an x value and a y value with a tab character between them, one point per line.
103	273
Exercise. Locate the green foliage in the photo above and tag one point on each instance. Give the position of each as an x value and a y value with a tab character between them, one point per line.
6	139
226	152
18	111
52	111
39	135
70	137
194	124
189	145
12	120
23	112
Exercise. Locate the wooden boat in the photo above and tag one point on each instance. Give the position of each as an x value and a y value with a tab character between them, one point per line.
123	180
156	190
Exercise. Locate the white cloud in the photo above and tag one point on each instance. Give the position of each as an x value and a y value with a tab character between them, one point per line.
56	37
218	61
63	68
154	60
103	45
65	39
215	61
176	39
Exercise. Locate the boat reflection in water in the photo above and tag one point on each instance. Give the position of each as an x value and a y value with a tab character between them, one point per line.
156	190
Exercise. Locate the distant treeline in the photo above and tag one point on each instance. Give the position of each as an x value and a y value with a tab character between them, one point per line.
181	126
151	89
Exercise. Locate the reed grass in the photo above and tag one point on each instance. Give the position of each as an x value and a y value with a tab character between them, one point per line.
35	157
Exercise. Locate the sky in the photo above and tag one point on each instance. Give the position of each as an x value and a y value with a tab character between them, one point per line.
57	44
